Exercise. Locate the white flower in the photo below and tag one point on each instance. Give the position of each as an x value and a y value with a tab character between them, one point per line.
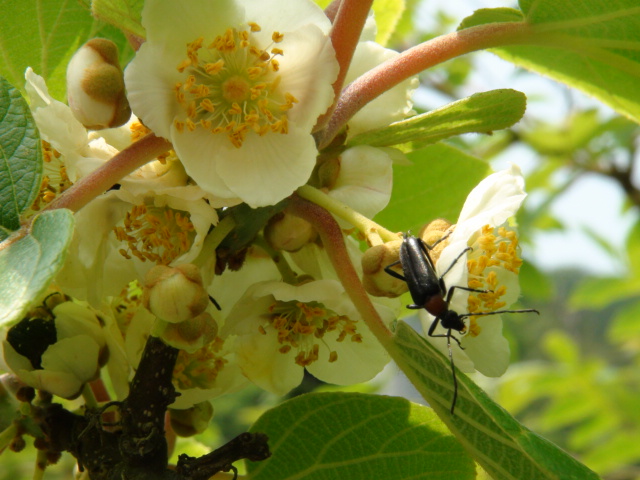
236	86
491	264
120	236
60	353
282	329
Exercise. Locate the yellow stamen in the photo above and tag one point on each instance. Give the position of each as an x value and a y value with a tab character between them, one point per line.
231	87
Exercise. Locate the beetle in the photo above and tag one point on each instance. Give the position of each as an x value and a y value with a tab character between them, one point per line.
429	291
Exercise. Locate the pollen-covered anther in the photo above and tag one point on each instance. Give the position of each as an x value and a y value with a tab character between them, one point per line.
232	87
157	234
55	179
300	325
493	250
200	369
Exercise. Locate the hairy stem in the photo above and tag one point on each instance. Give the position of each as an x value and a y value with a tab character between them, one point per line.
345	34
413	61
105	177
333	242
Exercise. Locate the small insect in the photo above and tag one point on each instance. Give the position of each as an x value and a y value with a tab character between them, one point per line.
429	291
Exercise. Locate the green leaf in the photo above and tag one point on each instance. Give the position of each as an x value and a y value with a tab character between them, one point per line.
44	36
479	113
356	436
20	157
435	186
123	14
592	45
387	14
499	443
29	264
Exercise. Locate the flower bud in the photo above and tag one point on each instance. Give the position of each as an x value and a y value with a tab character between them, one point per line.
175	294
95	86
288	232
190	335
432	233
191	421
376	281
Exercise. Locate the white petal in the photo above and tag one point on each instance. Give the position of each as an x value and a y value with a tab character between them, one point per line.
393	105
54	119
269	369
365	180
356	362
460	358
262	172
489	351
150	80
271	16
172	24
492	202
308	69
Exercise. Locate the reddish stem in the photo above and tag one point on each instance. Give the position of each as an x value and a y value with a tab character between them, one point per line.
413	61
333	242
107	175
345	34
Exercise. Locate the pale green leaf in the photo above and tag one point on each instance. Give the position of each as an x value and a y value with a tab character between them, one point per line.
29	264
20	156
592	45
355	436
499	443
435	186
123	14
480	113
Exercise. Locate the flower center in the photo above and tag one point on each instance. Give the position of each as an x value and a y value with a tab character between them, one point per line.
231	87
494	249
158	234
301	325
201	368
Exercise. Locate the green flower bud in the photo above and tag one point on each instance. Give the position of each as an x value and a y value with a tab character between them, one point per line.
288	232
190	335
175	294
191	421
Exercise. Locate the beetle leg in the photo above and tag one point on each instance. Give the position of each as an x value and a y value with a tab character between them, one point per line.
394	273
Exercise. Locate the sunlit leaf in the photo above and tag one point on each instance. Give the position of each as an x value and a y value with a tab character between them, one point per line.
44	36
123	14
358	437
502	446
480	113
591	45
